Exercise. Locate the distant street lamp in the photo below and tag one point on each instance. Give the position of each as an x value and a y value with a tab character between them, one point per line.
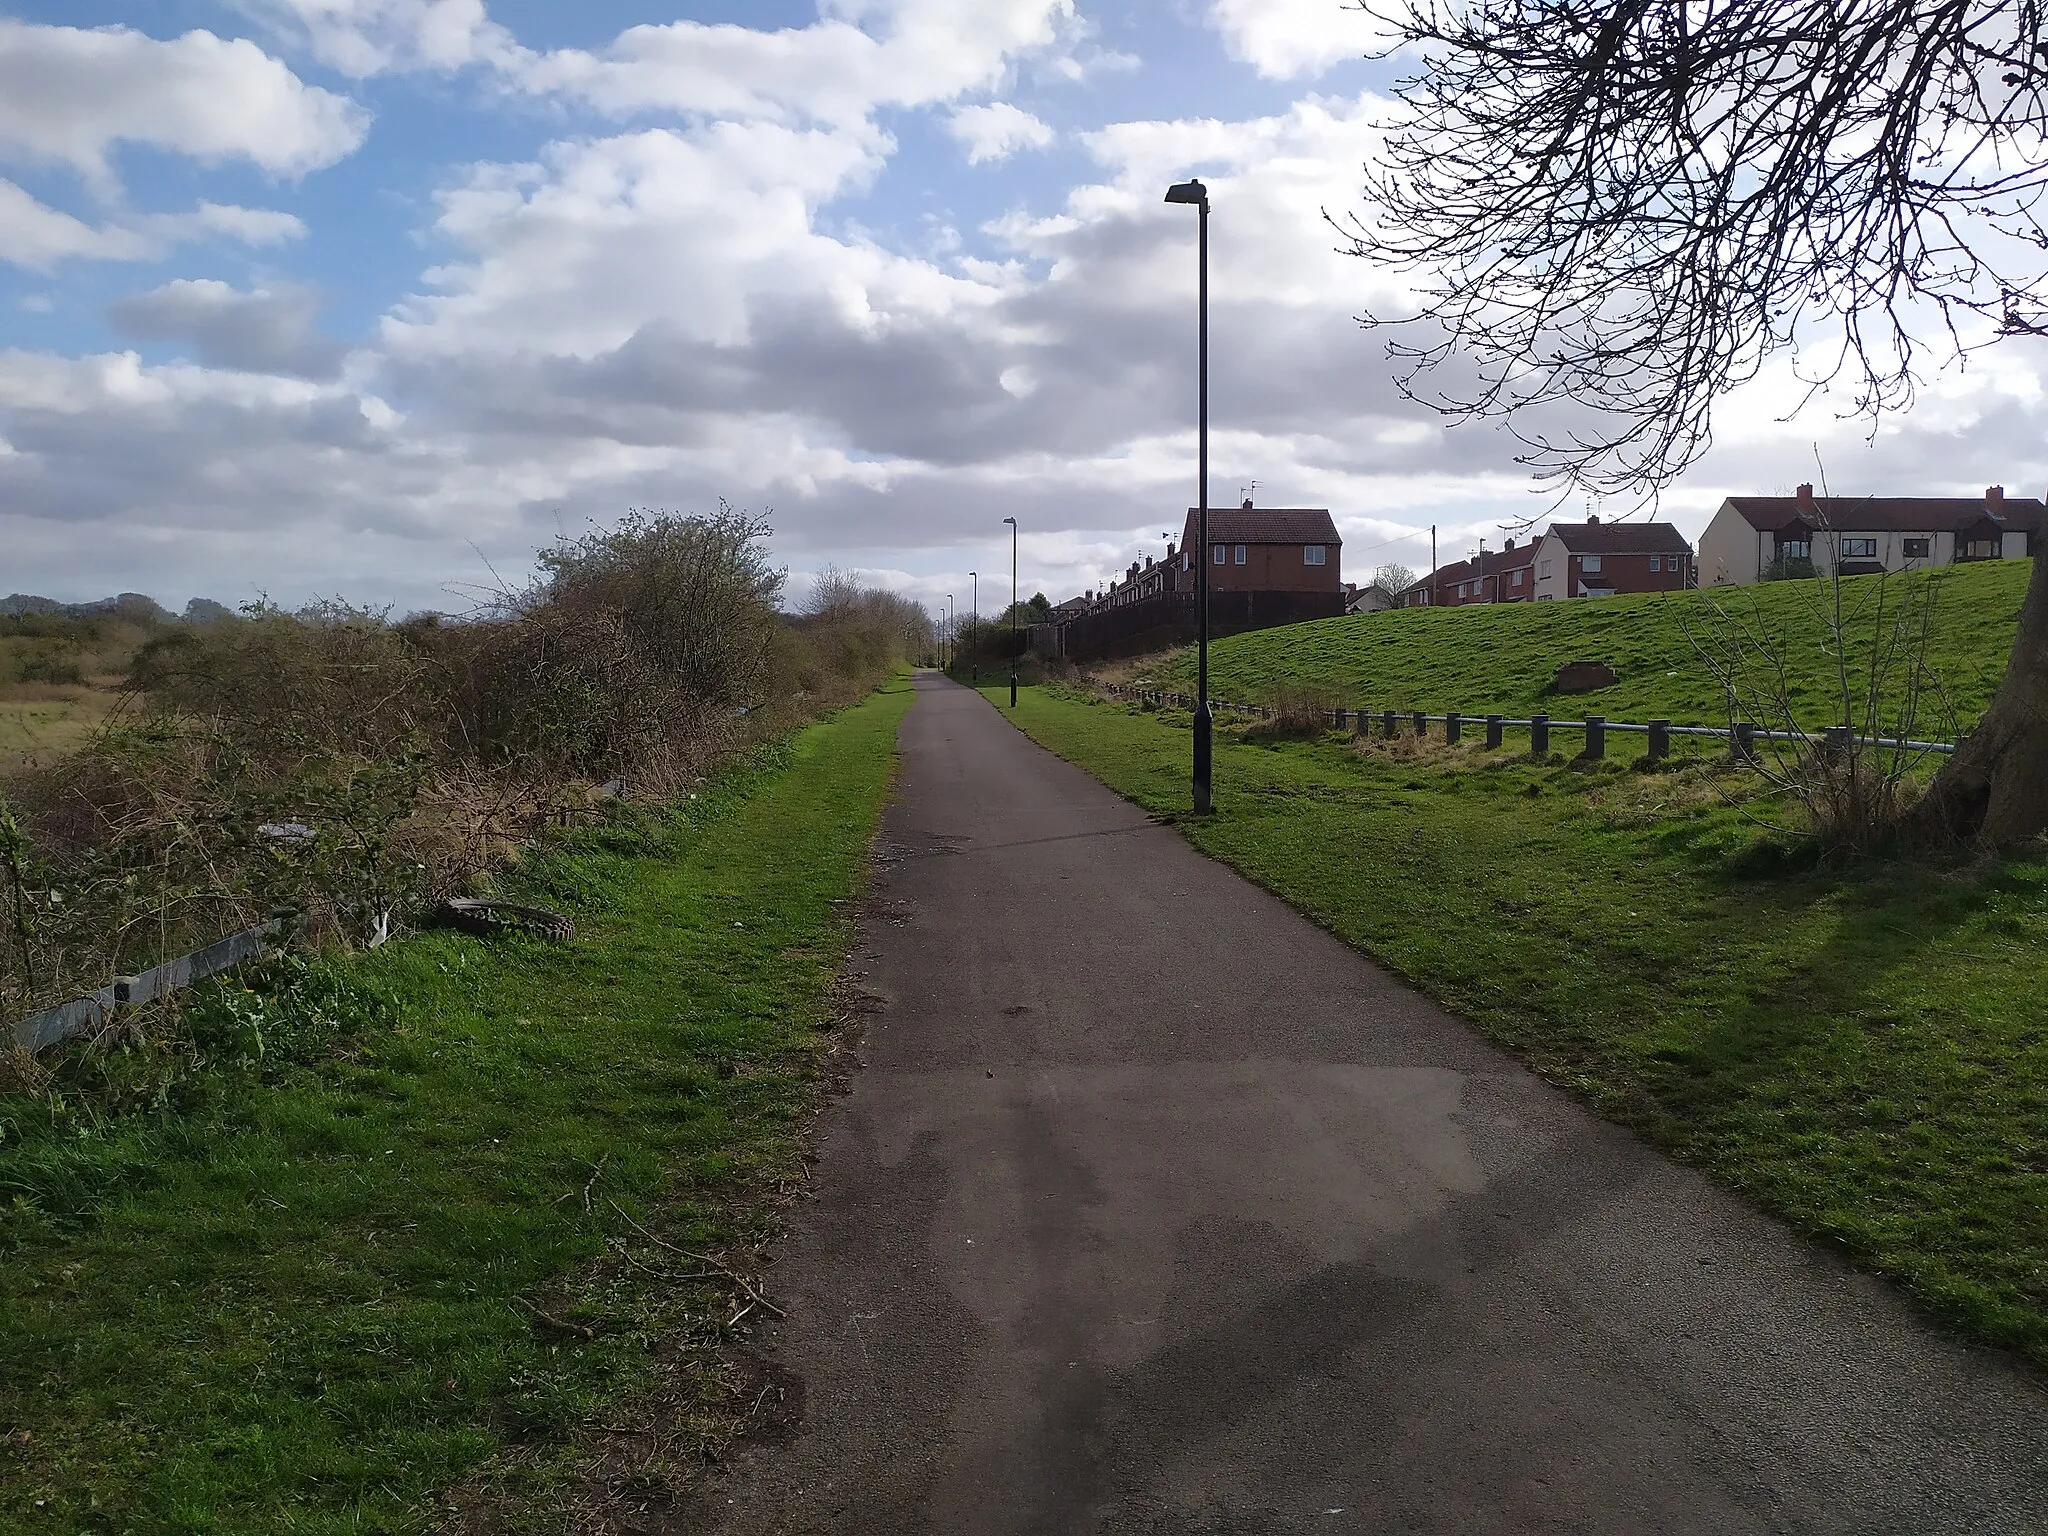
1194	192
1013	610
949	632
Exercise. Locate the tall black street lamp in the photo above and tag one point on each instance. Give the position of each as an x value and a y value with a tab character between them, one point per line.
974	629
1194	192
949	631
1013	610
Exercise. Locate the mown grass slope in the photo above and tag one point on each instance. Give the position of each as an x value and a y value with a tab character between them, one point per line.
1858	1048
1501	659
361	1242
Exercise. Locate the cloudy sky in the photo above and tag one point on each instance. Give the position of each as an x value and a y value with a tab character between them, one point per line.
369	298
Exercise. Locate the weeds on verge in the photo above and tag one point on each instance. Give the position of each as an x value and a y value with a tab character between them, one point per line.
342	766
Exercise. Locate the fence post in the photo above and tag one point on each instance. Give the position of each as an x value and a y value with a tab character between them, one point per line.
1660	740
1421	724
1361	721
1744	745
1495	727
1454	729
1835	742
1596	736
1387	726
1539	735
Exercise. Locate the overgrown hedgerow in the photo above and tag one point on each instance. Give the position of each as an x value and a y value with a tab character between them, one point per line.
340	766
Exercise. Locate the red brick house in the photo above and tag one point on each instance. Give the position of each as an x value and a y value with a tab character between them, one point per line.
1265	549
1491	576
1596	559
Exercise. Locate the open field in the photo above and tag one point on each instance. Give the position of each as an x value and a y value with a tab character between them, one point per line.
1859	1049
1500	659
59	681
41	722
327	1255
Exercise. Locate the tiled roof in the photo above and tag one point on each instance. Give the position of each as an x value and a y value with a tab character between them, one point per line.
1887	514
1621	538
1267	525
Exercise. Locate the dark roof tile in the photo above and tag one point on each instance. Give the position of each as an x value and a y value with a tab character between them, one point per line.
1621	538
1267	525
1888	514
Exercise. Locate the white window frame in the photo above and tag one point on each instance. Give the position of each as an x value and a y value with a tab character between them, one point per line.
1239	554
1312	554
1589	565
1656	562
1543	571
1520	572
1860	547
1222	554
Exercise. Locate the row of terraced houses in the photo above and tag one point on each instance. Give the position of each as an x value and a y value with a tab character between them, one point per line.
1281	565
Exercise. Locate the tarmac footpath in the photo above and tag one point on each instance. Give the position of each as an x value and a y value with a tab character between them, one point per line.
1158	1209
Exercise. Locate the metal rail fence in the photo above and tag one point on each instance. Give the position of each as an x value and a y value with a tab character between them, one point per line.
1742	736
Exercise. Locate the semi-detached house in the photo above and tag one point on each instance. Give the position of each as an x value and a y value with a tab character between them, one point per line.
1751	536
1589	559
1596	559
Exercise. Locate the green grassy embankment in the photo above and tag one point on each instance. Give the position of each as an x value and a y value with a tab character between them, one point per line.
1860	1049
343	1254
1500	659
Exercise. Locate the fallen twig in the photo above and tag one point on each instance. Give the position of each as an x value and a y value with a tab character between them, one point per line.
560	1326
702	1258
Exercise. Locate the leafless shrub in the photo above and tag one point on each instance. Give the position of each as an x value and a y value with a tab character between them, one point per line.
1852	770
1301	712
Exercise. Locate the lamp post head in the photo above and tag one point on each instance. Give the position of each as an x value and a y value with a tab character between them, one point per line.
1011	521
1188	192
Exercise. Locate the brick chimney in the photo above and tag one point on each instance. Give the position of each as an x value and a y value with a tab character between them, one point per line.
1804	496
1592	519
1994	500
1247	505
1510	543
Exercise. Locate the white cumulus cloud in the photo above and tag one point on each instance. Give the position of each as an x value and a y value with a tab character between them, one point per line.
38	237
1285	38
368	37
997	131
69	95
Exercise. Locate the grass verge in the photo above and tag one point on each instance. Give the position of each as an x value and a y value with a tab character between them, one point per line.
1502	658
1859	1049
404	1224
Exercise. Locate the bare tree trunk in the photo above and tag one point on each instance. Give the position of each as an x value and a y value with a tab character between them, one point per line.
1994	791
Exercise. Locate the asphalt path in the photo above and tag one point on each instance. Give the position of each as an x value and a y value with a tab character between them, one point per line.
1158	1209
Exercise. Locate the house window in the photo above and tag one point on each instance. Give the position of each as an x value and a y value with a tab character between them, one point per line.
1794	549
1543	571
1518	577
1311	554
1219	554
1914	549
1240	554
1590	565
1656	562
1859	549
